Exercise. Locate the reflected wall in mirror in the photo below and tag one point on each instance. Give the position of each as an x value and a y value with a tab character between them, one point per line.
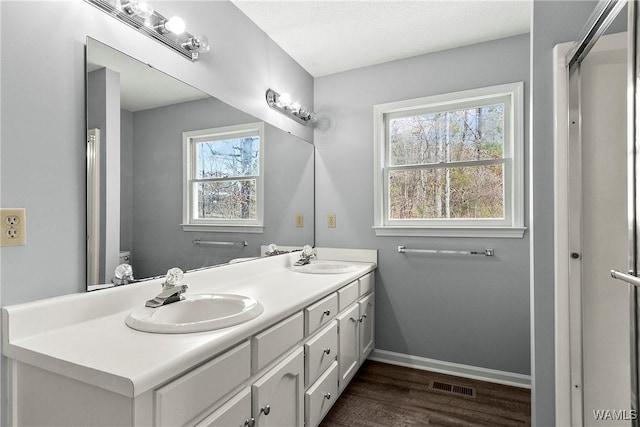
135	202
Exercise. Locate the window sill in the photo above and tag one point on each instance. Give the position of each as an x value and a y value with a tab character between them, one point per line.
500	232
223	228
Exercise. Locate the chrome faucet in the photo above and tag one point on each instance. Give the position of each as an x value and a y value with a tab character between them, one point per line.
305	257
273	250
171	290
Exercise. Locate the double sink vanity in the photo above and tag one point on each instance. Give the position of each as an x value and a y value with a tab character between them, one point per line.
259	343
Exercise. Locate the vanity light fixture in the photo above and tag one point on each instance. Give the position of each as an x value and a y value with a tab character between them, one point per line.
141	16
285	105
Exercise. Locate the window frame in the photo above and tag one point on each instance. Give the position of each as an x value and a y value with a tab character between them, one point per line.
512	225
189	141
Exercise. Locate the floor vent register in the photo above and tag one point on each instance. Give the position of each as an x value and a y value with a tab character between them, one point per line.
458	390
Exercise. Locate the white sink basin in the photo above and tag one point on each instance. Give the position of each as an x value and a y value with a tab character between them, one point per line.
196	313
325	267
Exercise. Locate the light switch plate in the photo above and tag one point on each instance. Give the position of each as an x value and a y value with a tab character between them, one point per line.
13	227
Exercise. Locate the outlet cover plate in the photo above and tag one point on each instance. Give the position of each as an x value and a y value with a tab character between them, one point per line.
13	226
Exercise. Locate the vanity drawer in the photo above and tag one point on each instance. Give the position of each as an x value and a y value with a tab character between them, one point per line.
321	396
320	351
348	295
275	341
366	284
320	313
188	396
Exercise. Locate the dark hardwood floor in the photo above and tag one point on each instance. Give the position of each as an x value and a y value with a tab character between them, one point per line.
387	395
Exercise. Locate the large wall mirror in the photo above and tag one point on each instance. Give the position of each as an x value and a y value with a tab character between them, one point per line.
136	117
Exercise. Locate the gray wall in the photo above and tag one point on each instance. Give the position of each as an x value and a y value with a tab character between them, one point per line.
469	311
159	242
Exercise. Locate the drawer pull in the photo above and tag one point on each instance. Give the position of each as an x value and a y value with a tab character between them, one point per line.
353	319
327	351
327	312
327	396
265	410
251	422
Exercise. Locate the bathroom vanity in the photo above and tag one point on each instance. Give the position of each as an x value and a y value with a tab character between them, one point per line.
72	360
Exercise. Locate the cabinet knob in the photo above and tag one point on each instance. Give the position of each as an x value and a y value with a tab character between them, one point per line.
364	316
265	410
251	422
353	319
327	396
327	312
327	351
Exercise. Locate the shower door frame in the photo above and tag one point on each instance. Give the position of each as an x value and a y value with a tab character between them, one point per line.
568	204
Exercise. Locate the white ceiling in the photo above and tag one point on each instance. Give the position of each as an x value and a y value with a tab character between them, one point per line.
329	36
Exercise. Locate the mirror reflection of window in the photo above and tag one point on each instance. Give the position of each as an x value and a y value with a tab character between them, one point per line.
223	179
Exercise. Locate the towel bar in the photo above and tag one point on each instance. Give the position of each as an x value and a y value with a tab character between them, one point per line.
485	252
207	243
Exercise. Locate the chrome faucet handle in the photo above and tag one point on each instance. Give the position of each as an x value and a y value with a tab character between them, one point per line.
174	276
123	275
305	257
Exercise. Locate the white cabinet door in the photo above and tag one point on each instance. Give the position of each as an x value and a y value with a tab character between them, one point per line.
348	345
366	326
235	413
278	395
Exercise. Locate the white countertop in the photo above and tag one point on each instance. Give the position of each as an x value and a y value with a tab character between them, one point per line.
84	336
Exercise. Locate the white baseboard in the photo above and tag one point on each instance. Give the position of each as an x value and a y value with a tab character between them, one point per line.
465	371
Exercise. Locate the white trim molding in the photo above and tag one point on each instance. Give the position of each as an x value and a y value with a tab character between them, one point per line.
449	368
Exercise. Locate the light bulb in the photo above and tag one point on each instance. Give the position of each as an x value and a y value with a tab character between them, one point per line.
284	100
204	44
140	8
175	25
198	44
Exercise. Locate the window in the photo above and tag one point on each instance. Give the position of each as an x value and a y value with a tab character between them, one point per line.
223	179
451	165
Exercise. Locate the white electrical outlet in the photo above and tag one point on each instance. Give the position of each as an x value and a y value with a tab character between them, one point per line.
13	227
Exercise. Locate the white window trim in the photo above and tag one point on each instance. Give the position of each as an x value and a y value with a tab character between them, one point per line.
224	226
514	211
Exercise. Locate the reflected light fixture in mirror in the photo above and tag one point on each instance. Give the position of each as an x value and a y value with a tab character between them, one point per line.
283	102
141	16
